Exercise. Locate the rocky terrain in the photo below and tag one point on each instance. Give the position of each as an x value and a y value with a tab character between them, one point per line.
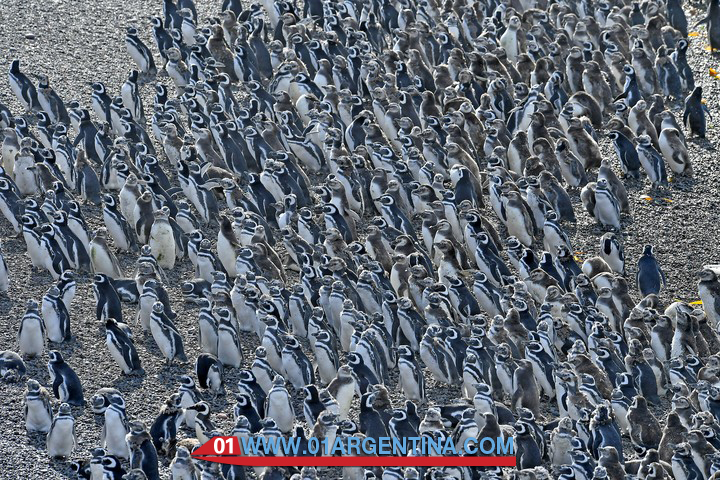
79	42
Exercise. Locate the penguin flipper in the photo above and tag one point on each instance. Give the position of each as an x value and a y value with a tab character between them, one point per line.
704	20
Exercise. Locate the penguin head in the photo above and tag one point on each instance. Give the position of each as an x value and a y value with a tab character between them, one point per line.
64	409
187	382
33	386
55	357
202	408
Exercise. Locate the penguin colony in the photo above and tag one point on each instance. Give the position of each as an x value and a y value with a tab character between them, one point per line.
370	194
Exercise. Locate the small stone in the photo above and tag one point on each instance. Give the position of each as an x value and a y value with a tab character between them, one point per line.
30	36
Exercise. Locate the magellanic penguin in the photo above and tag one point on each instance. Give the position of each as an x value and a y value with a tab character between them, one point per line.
31	335
713	24
37	408
66	384
121	347
61	439
102	259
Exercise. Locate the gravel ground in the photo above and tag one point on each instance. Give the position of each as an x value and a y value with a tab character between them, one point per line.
79	42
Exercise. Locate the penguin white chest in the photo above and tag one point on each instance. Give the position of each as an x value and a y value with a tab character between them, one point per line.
162	244
25	178
31	338
115	435
38	419
60	440
281	410
228	350
52	322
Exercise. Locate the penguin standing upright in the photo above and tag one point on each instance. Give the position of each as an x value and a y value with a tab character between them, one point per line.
23	88
121	348
140	53
279	405
694	113
713	24
31	336
162	239
102	259
650	277
106	297
143	454
166	335
56	316
115	427
66	384
61	439
37	408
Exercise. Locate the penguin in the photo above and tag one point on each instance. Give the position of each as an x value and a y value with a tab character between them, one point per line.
645	431
713	24
627	154
102	259
650	277
526	393
140	53
37	408
278	405
31	335
66	384
709	293
143	455
297	367
10	204
121	348
61	439
143	216
115	428
674	151
162	239
189	395
23	88
651	161
183	465
12	367
117	225
612	252
607	208
55	316
527	451
165	427
229	351
605	431
694	113
412	381
683	464
108	303
166	335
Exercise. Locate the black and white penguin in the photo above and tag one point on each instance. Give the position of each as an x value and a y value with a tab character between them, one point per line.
298	369
694	113
115	427
66	384
61	439
278	405
140	53
122	348
23	88
108	303
650	277
31	335
166	335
